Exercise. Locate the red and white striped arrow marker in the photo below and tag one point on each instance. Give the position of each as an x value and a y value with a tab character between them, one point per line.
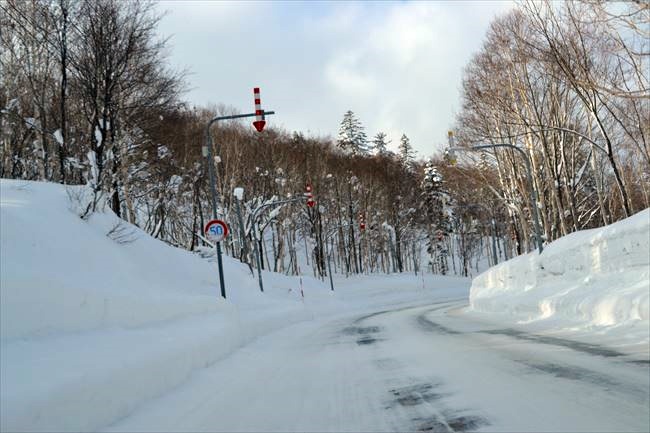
259	113
309	195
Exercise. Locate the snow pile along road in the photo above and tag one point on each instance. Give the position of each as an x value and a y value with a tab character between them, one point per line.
97	317
590	282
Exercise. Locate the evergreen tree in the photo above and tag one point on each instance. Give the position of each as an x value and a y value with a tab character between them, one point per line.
406	152
380	144
435	201
352	137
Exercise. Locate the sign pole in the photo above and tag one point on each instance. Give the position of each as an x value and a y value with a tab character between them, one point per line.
213	193
207	152
217	230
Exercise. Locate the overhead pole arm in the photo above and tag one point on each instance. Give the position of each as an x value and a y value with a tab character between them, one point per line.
207	153
529	176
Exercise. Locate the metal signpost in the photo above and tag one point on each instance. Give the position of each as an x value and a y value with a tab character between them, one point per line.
207	153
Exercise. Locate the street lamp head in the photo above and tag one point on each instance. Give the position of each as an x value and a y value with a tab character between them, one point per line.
450	138
450	156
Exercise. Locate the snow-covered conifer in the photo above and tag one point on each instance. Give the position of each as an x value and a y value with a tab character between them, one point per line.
352	137
406	152
435	202
380	144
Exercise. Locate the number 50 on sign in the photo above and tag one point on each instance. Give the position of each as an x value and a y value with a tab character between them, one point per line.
216	230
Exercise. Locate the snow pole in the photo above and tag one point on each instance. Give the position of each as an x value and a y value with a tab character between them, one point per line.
329	270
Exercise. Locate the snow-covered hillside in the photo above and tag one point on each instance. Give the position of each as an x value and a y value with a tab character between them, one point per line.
98	317
593	283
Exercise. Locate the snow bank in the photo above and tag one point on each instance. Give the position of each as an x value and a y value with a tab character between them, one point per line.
53	263
595	280
97	317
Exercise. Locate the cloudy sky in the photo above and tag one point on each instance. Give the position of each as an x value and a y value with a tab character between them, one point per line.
396	65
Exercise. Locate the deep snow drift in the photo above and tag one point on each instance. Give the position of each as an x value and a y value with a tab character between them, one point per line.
94	324
592	283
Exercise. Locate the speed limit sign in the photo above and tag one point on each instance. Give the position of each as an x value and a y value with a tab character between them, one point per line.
216	230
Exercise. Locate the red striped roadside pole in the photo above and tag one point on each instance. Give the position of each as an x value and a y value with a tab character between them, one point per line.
310	195
259	113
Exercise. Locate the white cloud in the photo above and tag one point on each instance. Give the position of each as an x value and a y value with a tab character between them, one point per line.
396	65
195	14
344	74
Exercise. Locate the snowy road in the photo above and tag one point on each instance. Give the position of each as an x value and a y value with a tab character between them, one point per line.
426	368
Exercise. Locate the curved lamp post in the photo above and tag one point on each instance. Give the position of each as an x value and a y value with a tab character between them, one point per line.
207	153
533	193
255	241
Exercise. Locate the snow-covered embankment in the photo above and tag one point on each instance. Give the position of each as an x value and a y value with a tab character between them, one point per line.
97	317
589	281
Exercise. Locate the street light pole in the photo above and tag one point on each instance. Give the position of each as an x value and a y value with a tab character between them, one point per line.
329	264
255	241
529	176
331	232
493	226
494	242
213	193
207	152
242	231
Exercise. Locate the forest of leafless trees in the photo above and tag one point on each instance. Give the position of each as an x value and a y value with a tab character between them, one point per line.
88	98
569	84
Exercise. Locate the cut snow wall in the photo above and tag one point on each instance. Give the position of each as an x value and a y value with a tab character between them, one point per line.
597	277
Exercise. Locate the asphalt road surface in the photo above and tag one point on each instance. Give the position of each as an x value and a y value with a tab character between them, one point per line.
425	368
